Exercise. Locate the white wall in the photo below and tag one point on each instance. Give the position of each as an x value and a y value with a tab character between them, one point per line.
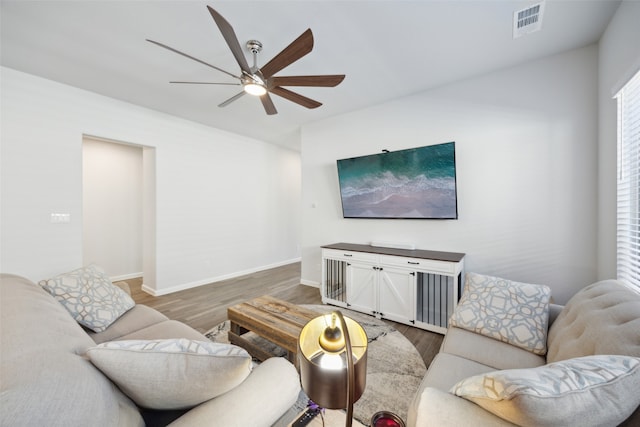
225	204
619	59
112	207
526	151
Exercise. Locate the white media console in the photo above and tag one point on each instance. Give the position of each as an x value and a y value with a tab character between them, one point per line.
415	287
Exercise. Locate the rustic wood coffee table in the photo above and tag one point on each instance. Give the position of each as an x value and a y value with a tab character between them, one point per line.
277	321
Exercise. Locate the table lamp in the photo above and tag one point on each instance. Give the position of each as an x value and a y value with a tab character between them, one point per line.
333	361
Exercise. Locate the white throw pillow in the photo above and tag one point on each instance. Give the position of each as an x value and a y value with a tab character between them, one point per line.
586	391
512	312
173	373
88	294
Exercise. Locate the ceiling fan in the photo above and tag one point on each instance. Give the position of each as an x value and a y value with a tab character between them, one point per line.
260	81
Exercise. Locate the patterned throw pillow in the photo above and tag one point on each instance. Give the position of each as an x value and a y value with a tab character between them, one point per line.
88	294
174	373
512	312
586	391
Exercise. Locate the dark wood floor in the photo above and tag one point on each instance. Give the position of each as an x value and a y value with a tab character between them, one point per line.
206	306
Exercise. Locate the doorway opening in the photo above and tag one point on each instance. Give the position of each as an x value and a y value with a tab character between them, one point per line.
118	203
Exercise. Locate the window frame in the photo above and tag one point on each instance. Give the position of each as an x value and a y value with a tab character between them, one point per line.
628	183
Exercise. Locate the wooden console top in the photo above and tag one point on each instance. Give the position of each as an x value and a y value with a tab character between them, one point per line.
409	253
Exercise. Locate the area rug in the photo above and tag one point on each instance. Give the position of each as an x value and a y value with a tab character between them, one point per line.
394	367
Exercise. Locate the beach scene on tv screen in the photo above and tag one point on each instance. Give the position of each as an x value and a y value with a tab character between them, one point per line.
414	183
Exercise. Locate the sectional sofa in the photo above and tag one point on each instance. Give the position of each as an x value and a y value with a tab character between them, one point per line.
510	357
140	369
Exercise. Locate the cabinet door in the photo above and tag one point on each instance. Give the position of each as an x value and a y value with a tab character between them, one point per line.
361	287
334	282
396	289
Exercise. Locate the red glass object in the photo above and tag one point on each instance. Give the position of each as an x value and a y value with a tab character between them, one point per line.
386	422
386	419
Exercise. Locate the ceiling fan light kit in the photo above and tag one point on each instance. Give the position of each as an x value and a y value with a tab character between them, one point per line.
261	82
255	89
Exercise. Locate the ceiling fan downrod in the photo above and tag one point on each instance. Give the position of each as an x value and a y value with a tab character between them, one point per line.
254	47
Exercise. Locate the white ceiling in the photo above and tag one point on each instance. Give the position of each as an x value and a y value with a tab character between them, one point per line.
387	49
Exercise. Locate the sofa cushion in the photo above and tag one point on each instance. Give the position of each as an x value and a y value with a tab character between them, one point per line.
172	374
437	408
602	318
587	391
508	311
139	317
88	294
488	351
447	369
169	329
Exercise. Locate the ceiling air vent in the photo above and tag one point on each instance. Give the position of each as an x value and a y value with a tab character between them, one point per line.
527	20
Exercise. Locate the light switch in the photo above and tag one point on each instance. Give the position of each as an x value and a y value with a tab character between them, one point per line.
60	218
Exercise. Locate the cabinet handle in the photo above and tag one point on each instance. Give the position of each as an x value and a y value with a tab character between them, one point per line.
347	254
413	263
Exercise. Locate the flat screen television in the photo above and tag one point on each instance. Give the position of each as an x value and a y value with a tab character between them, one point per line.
417	183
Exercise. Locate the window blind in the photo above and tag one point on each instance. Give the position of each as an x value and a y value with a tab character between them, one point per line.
628	209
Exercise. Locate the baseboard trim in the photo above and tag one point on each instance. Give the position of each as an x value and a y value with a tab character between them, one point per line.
126	277
149	290
311	283
185	286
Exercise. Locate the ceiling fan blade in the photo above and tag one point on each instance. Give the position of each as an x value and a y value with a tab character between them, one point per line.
290	54
193	58
206	83
324	81
295	97
232	40
267	103
230	100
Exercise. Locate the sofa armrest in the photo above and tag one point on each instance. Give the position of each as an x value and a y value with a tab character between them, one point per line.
436	408
269	391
